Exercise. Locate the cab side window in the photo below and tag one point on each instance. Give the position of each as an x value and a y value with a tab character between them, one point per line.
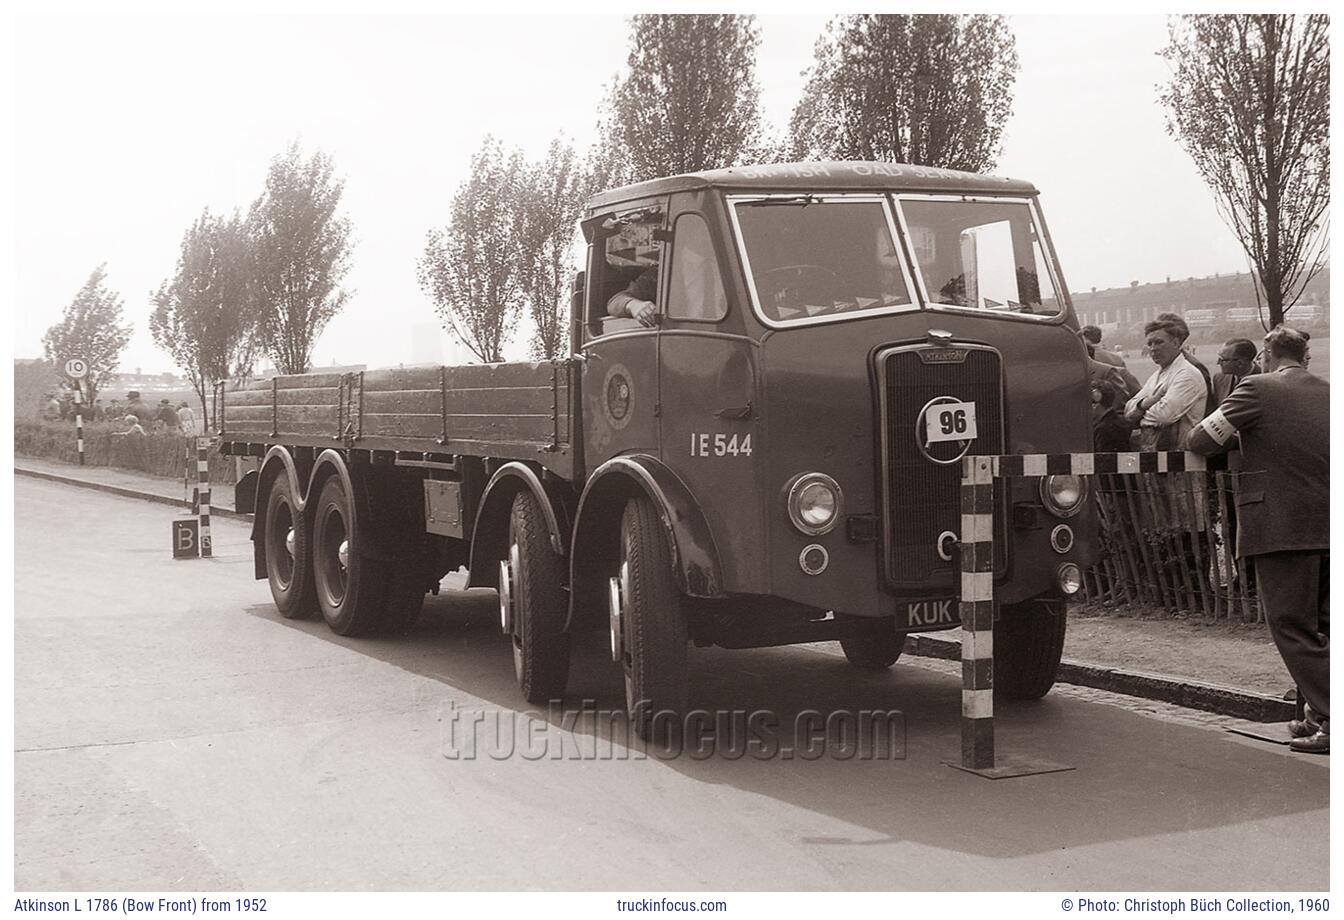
695	291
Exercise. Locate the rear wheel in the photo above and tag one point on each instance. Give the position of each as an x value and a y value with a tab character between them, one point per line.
532	603
350	586
1028	643
288	559
648	624
875	645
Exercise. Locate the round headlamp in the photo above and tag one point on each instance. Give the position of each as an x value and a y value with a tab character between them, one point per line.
814	503
1063	494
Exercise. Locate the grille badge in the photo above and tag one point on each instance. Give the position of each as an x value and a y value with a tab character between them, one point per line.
943	355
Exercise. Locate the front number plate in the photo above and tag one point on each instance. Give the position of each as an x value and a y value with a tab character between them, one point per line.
939	613
951	421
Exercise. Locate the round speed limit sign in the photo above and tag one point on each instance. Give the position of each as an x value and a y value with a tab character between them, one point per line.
76	368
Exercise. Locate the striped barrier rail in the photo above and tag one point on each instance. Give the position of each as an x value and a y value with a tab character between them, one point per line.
977	581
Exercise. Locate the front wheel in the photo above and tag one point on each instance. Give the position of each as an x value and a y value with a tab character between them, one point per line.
648	624
1028	644
875	644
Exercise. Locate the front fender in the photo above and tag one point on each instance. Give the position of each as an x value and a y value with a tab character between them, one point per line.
596	542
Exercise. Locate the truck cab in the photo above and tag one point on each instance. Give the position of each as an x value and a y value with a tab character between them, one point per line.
830	340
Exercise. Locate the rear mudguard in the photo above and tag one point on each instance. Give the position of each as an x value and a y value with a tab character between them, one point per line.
280	462
596	543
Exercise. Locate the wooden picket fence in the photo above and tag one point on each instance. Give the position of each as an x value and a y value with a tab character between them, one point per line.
1167	542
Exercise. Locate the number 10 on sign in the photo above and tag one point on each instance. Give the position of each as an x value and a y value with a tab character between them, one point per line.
950	421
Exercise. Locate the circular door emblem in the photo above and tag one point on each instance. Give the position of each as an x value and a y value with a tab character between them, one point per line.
942	452
617	396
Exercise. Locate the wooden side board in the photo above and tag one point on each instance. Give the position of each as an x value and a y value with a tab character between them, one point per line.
507	410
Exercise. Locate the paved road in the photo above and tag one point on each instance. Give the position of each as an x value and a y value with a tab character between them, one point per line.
173	732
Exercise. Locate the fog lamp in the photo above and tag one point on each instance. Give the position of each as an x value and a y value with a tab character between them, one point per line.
1069	578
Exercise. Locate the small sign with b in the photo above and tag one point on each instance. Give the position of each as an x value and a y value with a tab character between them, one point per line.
186	538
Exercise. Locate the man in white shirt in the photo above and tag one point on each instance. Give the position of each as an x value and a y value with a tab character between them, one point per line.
1171	402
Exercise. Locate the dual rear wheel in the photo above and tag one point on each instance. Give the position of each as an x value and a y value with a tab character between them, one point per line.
318	562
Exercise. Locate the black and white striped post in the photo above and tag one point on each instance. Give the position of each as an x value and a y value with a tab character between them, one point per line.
79	421
203	492
976	547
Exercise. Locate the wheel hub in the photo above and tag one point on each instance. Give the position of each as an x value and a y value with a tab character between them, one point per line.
508	569
342	553
618	601
289	542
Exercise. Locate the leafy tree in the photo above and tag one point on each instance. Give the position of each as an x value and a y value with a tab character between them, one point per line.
929	90
608	163
205	315
300	254
91	329
690	100
548	211
1249	100
470	268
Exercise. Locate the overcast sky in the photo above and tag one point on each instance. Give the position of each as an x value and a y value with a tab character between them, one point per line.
128	126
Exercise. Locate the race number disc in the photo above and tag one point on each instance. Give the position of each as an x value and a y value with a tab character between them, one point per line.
950	421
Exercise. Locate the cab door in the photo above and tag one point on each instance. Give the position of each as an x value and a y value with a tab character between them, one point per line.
709	419
620	370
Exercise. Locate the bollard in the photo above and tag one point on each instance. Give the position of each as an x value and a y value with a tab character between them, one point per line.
79	422
977	613
203	493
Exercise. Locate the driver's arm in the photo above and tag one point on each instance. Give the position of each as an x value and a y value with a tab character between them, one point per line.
636	300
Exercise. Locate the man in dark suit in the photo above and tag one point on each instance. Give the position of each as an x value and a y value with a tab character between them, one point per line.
1236	359
1282	420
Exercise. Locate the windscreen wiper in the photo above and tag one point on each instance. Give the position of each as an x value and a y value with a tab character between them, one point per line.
803	200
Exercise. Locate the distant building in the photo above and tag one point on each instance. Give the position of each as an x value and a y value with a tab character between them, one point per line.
1204	303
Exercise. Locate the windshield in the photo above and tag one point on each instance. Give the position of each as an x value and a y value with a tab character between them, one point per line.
981	255
811	257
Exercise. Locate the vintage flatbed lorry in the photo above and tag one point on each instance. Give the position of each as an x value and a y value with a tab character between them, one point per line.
775	460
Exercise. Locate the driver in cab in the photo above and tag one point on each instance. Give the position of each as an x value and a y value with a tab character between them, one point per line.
635	300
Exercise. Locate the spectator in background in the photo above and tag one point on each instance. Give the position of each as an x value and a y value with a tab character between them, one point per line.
1177	324
52	410
1171	402
133	427
136	406
1092	338
187	419
1236	359
99	413
115	410
1281	418
168	415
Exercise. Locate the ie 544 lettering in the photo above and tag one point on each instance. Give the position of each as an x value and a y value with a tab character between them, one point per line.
705	444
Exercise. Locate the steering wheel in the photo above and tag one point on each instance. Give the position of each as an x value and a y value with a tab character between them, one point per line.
790	285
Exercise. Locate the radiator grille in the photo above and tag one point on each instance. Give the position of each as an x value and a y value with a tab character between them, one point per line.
922	498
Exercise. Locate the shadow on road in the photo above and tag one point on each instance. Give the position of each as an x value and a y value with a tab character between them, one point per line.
1136	777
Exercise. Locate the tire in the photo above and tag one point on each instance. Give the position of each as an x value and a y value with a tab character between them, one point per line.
1028	643
875	644
540	643
289	567
653	653
352	593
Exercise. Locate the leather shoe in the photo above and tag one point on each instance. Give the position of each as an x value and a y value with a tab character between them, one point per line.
1318	743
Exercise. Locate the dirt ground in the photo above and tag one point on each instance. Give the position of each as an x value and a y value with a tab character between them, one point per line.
1230	654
